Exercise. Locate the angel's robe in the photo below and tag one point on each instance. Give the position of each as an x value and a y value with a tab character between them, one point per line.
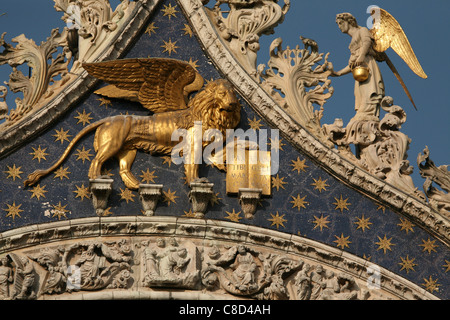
368	94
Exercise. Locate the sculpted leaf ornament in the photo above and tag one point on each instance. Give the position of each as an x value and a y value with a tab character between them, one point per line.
290	71
45	67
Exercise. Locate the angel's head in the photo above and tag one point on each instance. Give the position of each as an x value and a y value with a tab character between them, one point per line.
345	21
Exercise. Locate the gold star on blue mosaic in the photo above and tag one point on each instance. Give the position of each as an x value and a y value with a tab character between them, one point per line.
277	220
104	102
447	266
126	195
61	173
321	222
320	184
342	242
13	172
299	165
82	192
215	199
13	210
107	212
84	117
193	63
39	153
428	245
151	28
187	31
299	202
341	204
169	11
170	46
168	160
148	176
278	182
431	284
38	192
59	211
407	264
406	225
384	244
169	196
277	143
83	154
188	214
363	223
254	123
233	216
62	135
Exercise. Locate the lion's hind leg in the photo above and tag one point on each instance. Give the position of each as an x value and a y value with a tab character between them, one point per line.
126	159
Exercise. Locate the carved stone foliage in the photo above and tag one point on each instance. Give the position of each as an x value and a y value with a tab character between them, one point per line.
90	27
302	81
45	67
241	26
439	199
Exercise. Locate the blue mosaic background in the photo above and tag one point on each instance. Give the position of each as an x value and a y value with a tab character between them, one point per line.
356	224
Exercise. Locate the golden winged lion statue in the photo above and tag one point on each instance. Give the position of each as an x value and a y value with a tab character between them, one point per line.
163	86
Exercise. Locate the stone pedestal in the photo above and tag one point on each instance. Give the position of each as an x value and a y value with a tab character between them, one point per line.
200	196
100	189
249	199
149	195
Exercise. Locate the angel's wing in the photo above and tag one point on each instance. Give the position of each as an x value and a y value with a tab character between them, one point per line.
388	33
159	84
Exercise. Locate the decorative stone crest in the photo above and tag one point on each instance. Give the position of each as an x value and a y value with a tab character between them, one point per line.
244	23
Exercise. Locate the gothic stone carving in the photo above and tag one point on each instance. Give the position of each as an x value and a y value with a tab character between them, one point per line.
439	199
244	23
169	264
44	68
266	266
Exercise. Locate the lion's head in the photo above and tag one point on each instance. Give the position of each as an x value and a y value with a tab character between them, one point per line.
217	106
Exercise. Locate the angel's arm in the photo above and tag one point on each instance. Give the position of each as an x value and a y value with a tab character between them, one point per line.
342	72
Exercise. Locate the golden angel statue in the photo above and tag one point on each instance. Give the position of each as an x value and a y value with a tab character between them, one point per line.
163	86
366	48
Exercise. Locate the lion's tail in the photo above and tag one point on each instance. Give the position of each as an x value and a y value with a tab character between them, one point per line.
38	174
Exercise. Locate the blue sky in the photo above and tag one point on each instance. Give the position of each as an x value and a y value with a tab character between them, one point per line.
426	24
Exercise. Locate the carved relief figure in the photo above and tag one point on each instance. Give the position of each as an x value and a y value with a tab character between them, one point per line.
24	279
303	283
244	268
101	265
167	265
6	278
162	86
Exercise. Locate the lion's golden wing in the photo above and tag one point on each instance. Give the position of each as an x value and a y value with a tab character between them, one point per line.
159	84
388	33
